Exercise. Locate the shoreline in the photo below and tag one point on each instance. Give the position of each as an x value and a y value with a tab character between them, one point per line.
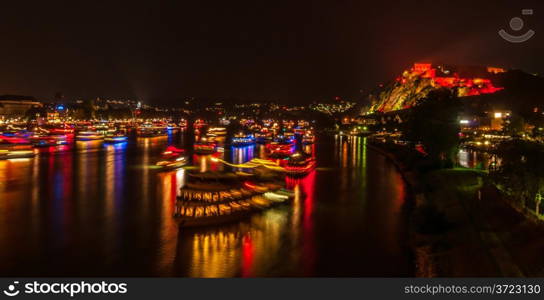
422	258
468	243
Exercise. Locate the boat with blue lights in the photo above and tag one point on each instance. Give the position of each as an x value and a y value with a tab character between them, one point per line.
241	140
50	140
116	137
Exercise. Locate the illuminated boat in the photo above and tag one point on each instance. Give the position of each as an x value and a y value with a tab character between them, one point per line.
115	138
279	196
308	138
62	130
212	198
15	154
198	124
151	130
102	126
172	126
174	163
281	148
299	164
155	132
8	140
172	158
205	147
286	192
263	136
172	152
241	140
89	136
217	131
48	140
263	139
15	132
289	135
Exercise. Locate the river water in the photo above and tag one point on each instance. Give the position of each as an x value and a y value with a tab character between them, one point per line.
103	210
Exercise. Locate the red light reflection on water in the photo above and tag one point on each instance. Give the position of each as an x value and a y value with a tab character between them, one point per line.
205	162
401	192
247	255
306	186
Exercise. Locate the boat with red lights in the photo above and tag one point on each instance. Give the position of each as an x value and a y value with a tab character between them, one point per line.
299	164
13	140
205	147
51	140
173	163
172	158
281	147
172	151
63	130
15	148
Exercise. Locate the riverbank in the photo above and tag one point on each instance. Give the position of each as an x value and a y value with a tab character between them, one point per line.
466	241
461	227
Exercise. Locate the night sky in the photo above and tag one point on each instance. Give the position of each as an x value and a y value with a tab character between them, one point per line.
292	51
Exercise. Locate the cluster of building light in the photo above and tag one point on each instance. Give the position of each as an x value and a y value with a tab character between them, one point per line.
332	108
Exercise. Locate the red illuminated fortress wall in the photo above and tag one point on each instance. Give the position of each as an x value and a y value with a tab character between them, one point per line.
474	85
415	84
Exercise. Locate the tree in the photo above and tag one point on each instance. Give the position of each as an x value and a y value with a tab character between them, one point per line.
433	122
521	174
33	112
89	110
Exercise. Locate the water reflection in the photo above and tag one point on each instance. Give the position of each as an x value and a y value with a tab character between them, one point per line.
354	238
114	172
477	159
240	155
205	163
104	210
171	183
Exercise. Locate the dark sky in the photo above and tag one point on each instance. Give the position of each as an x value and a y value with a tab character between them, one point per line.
294	51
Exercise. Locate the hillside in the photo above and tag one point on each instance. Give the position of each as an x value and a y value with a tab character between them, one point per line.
482	86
